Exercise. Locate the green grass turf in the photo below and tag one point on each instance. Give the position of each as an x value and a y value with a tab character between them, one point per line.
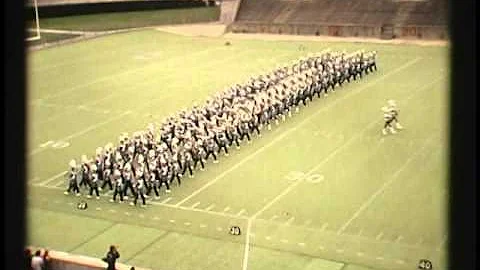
133	19
325	189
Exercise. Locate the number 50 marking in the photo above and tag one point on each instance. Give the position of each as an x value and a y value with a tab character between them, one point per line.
301	176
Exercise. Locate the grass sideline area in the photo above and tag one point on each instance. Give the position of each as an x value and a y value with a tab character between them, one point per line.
46	38
134	19
327	190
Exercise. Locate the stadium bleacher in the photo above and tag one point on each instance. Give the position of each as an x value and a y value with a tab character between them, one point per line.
431	12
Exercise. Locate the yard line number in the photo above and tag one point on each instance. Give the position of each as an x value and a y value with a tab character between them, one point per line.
312	178
425	264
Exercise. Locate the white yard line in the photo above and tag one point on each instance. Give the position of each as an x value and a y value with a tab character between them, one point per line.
129	71
74	135
275	199
71	110
294	184
57	31
384	186
59	183
287	132
207	65
247	246
73	61
220	176
309	172
129	89
51	179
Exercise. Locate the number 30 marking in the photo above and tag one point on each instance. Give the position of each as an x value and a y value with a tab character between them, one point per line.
301	176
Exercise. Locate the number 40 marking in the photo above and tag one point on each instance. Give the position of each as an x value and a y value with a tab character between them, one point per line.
301	176
55	144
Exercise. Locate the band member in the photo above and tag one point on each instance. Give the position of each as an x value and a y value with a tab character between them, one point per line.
72	178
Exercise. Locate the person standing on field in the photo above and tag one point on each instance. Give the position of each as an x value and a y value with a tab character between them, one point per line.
111	257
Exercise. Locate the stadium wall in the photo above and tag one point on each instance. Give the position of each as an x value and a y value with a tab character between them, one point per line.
67	9
343	30
66	261
229	10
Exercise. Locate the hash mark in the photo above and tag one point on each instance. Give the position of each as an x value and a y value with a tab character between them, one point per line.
289	221
241	212
195	204
166	200
399	238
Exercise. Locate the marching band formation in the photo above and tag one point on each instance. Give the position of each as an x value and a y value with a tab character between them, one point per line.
154	158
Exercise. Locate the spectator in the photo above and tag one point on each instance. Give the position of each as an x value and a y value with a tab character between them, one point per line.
46	260
28	258
37	261
111	257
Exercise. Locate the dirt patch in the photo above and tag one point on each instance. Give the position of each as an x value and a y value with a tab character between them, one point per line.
335	39
207	30
218	30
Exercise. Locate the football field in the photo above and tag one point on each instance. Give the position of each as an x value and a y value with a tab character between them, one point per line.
322	190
